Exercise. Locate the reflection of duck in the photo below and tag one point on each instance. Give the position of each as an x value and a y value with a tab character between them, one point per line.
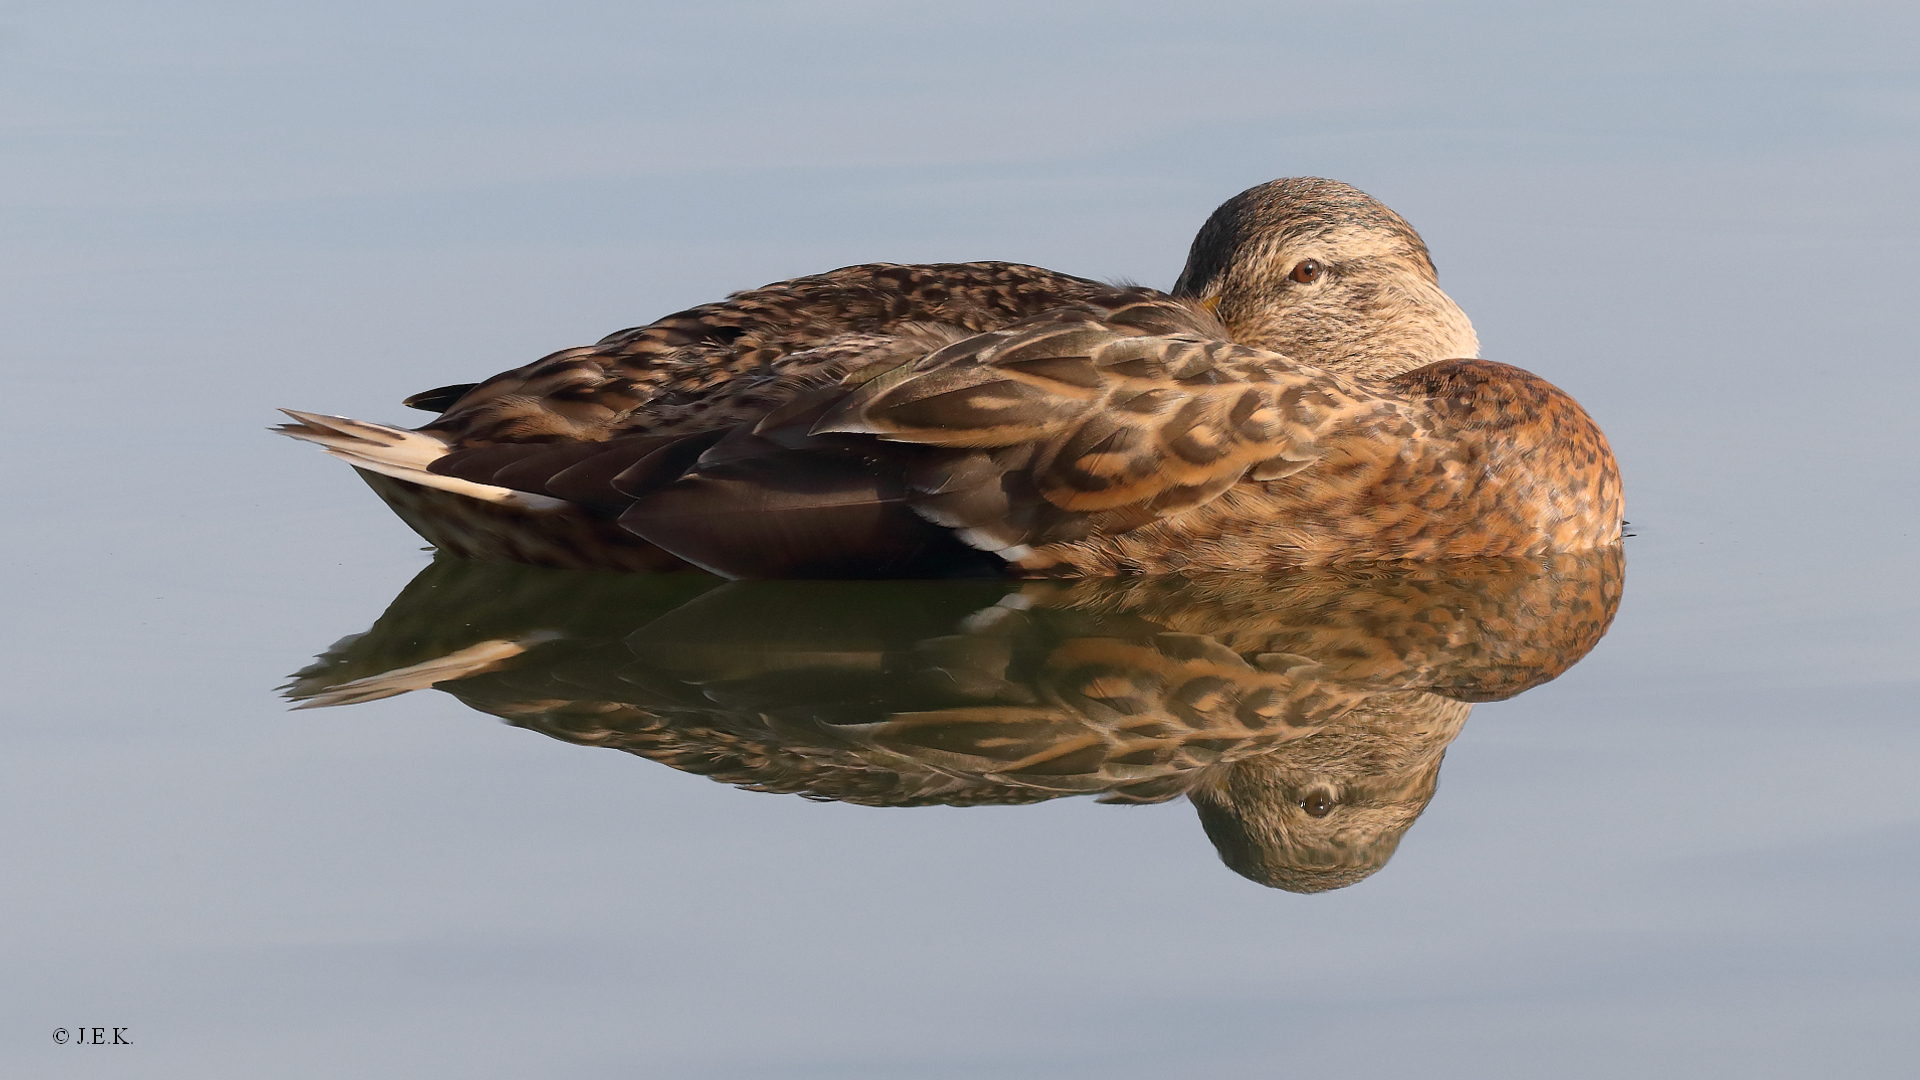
1305	715
1299	399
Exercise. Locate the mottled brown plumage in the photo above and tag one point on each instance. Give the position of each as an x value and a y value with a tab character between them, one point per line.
1305	713
1305	396
728	362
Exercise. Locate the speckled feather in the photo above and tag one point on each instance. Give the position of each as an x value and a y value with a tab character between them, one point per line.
736	360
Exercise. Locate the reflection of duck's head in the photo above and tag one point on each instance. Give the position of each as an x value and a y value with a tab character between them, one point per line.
1327	275
1329	810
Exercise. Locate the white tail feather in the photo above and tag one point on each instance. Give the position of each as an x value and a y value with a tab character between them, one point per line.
401	454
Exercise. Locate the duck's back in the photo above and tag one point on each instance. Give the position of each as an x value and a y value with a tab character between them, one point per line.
722	363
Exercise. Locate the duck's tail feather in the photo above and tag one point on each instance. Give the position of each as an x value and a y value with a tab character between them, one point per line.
470	518
403	455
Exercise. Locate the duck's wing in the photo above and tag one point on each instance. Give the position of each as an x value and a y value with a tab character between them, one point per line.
1080	422
945	457
736	359
760	497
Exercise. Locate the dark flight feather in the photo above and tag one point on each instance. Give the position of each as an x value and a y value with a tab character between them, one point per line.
439	399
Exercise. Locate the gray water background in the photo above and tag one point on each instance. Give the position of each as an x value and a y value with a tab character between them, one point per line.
1694	855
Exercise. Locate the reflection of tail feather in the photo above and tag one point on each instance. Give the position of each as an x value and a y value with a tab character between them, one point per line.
473	660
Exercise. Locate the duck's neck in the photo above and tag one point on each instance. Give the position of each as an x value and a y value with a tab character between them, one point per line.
1375	333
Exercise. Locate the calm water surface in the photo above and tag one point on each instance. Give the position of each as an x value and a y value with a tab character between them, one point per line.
1689	848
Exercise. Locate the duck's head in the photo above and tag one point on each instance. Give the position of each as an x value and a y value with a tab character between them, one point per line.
1326	274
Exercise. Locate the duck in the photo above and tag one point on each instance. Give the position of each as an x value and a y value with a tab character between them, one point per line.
1306	395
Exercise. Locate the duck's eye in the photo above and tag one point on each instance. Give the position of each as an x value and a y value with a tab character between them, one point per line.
1318	804
1307	271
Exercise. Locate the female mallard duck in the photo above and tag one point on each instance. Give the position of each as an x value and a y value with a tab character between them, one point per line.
1297	400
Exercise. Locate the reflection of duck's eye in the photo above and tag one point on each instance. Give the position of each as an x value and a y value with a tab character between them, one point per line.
1318	804
1307	271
